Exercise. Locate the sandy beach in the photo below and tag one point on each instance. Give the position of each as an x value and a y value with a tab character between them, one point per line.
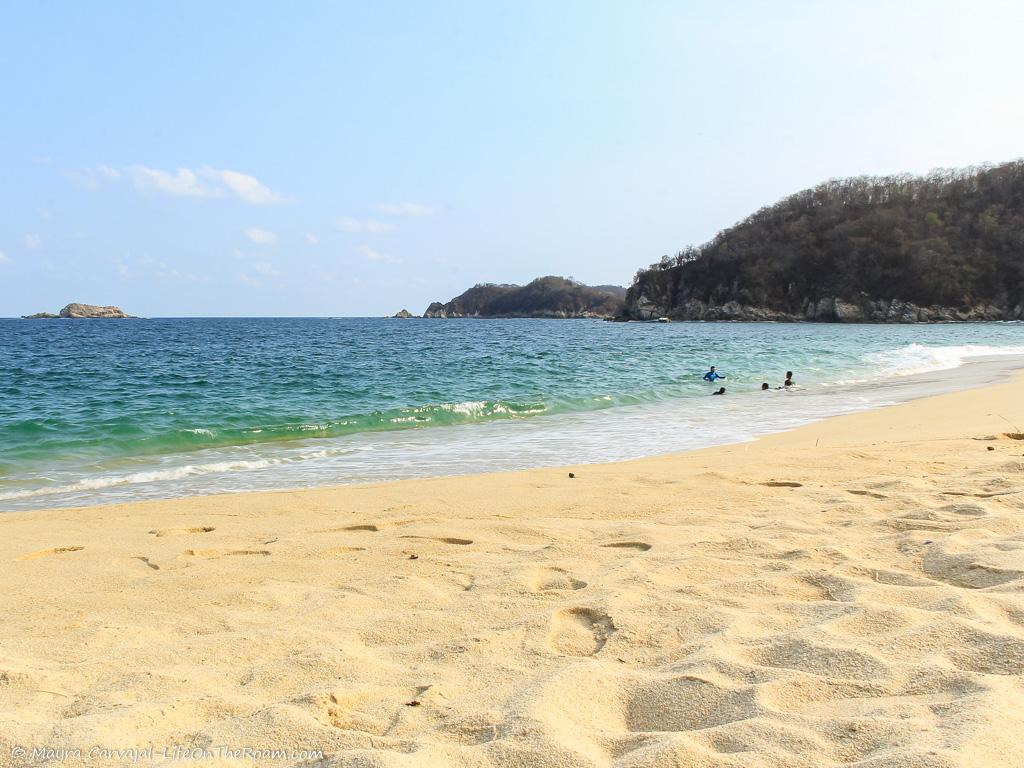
849	593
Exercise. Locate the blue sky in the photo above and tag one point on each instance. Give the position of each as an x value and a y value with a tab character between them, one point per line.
356	158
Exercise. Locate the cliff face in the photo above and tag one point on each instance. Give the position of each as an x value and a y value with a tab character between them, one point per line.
545	297
901	249
80	311
649	300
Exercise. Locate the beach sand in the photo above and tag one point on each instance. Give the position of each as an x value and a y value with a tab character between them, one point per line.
850	593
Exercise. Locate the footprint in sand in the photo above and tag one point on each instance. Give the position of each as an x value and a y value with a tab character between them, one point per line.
48	552
369	528
443	539
343	550
857	492
161	532
579	631
649	703
137	563
551	579
213	554
639	546
967	509
989	495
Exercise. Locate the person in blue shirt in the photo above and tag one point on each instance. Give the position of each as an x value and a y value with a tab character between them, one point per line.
713	375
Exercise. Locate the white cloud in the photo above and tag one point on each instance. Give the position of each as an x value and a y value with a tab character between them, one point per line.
370	226
4	258
248	280
243	186
185	183
370	254
266	268
90	178
312	239
32	242
205	182
415	210
262	236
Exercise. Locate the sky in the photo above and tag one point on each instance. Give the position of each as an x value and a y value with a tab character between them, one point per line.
353	158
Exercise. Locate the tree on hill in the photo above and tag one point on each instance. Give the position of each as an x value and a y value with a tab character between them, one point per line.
952	238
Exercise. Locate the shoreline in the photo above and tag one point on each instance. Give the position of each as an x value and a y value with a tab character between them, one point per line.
971	374
849	590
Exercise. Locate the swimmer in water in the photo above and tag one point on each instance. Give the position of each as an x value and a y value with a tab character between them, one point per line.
712	376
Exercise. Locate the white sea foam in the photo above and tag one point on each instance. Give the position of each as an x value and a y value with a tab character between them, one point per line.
469	408
169	474
151	476
921	358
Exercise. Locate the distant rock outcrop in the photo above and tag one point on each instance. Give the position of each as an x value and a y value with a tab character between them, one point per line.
403	314
76	311
545	297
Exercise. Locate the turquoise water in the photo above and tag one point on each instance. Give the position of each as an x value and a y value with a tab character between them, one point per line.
98	411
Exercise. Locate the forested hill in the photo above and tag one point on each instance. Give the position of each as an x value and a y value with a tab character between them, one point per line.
544	297
946	246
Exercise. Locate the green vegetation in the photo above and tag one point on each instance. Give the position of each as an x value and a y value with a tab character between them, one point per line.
952	241
544	297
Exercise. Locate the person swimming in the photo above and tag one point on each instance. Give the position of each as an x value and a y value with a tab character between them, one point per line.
789	379
765	386
719	392
713	375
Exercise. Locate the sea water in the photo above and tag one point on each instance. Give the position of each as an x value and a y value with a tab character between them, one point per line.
98	411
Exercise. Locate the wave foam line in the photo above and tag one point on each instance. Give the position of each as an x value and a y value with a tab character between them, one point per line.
177	473
921	358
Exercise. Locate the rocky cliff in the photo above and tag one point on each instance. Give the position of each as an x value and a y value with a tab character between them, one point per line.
545	297
79	311
901	249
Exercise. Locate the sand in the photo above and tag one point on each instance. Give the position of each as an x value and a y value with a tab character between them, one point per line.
850	593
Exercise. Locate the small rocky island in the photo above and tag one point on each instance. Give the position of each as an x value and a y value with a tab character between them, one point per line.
545	297
403	314
76	311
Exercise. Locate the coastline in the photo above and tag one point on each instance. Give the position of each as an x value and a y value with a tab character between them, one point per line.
616	432
846	591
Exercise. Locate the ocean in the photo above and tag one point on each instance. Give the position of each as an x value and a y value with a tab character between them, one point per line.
95	411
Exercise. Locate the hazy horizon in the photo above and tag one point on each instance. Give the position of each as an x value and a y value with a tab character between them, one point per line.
346	161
